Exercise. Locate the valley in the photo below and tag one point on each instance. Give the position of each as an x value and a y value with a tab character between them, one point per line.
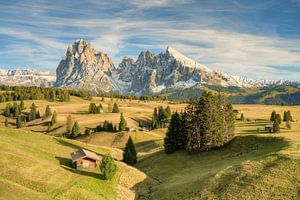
254	165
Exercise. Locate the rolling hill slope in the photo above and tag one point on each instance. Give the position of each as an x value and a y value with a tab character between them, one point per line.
36	166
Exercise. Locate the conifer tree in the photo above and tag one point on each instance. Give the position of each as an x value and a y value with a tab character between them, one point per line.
69	124
33	112
22	106
273	116
130	154
54	118
168	112
171	139
48	112
7	110
276	125
108	166
154	123
289	116
100	108
75	130
123	123
278	117
115	108
242	117
284	116
6	122
288	125
19	122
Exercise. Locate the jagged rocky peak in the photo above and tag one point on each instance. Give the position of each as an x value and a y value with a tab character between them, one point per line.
82	66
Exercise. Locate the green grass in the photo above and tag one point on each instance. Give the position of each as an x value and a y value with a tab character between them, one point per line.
36	166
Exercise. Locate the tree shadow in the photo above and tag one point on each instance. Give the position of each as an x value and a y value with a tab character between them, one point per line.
163	169
147	146
145	122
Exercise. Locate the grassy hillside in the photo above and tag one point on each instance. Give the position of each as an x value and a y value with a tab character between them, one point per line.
36	166
253	166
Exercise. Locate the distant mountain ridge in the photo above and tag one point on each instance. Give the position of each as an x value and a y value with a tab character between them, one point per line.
84	68
27	77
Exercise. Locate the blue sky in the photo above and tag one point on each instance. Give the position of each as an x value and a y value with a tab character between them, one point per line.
258	39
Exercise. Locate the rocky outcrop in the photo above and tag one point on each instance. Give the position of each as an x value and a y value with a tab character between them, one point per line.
27	77
84	68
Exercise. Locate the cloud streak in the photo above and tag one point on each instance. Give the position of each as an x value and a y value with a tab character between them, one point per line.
223	35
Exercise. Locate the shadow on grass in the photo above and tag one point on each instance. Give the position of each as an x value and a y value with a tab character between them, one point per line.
162	168
145	122
147	146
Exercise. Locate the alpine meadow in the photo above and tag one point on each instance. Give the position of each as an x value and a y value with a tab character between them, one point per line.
150	100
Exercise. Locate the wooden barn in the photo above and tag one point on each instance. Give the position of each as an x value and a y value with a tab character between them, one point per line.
84	159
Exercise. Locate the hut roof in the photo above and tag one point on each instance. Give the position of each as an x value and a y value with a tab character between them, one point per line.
84	153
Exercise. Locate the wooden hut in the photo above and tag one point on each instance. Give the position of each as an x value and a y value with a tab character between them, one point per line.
84	159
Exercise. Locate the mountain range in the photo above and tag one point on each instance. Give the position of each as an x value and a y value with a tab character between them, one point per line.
84	68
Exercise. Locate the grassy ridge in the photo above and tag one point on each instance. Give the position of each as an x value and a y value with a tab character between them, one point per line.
36	166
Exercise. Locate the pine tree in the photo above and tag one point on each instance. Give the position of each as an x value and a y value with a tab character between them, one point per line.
7	110
273	116
171	139
6	122
168	112
100	108
154	122
32	114
75	130
52	95
284	116
130	154
288	125
108	167
115	108
54	118
123	123
278	117
289	116
19	122
22	106
48	112
242	117
69	124
276	125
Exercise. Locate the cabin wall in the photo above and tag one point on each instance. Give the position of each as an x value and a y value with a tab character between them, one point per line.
85	163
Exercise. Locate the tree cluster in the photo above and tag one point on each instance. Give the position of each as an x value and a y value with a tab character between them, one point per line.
15	93
93	109
276	119
115	108
206	123
106	126
287	116
13	110
161	117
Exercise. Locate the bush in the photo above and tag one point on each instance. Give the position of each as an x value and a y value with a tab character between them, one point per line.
108	166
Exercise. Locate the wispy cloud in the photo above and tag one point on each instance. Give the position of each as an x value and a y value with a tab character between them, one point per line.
231	36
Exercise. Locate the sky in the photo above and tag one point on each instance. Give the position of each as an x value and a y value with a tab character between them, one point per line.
254	38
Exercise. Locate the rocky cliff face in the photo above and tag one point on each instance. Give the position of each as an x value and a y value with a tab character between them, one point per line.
27	77
84	68
152	74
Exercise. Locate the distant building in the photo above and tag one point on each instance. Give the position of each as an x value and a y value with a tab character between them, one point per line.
131	128
84	159
269	127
